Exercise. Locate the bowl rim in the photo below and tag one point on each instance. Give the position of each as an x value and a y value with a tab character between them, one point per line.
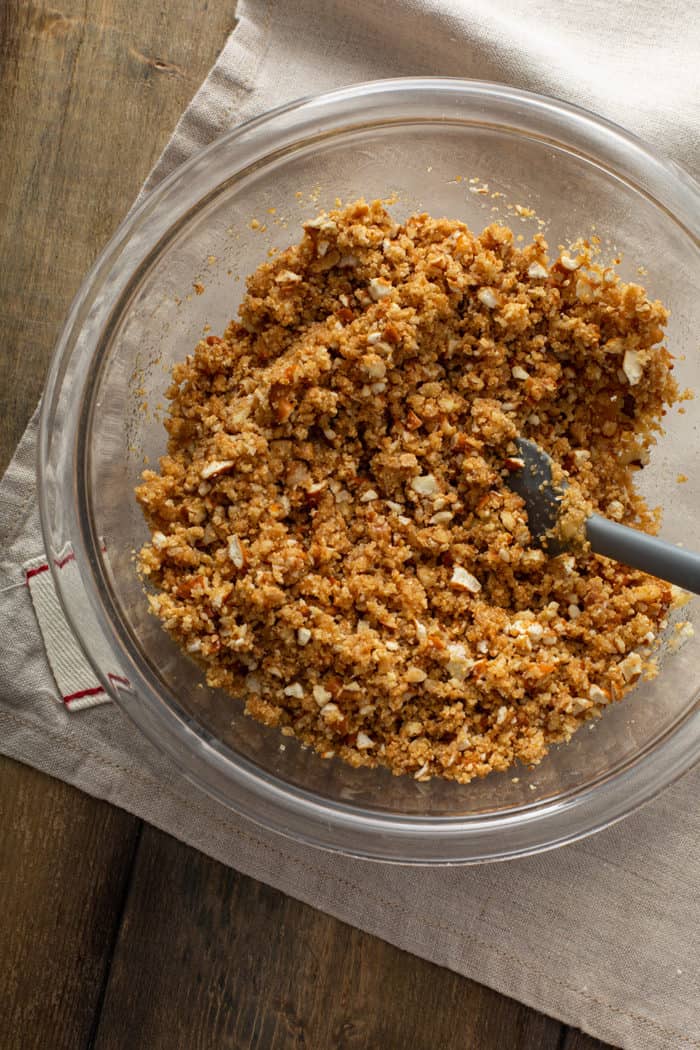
260	796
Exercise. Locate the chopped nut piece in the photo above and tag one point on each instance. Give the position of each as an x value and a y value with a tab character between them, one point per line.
462	580
459	664
217	466
532	559
424	485
368	496
631	666
364	741
537	270
415	675
488	297
632	367
295	689
316	488
235	551
374	366
442	517
578	704
321	695
331	713
379	288
518	372
288	277
303	636
322	223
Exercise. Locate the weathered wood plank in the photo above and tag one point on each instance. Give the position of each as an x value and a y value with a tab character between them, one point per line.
575	1040
89	94
65	861
226	962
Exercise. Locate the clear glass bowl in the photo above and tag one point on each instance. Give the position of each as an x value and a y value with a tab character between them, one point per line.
138	312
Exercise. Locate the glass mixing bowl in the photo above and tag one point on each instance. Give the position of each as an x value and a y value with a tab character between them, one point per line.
211	223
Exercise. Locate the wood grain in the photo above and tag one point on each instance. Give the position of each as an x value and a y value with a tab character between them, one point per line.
575	1040
65	862
89	94
112	935
231	963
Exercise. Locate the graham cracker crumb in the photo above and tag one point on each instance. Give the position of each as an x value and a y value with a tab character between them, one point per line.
332	535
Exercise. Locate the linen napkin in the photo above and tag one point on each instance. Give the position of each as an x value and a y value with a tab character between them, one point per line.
602	934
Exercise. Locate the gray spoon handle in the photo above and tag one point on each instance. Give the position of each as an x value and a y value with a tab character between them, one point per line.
644	552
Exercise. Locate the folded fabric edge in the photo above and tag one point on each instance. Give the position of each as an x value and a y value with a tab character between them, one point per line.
17	487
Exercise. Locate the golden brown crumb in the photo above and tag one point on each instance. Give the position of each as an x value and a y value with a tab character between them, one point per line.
332	535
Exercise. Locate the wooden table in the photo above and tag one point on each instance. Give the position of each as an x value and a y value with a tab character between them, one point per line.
113	935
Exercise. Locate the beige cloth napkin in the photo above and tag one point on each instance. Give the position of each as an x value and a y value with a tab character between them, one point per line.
603	934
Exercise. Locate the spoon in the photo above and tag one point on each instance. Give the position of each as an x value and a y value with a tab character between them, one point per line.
533	482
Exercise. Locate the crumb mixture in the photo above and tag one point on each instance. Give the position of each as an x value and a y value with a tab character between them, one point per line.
333	537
